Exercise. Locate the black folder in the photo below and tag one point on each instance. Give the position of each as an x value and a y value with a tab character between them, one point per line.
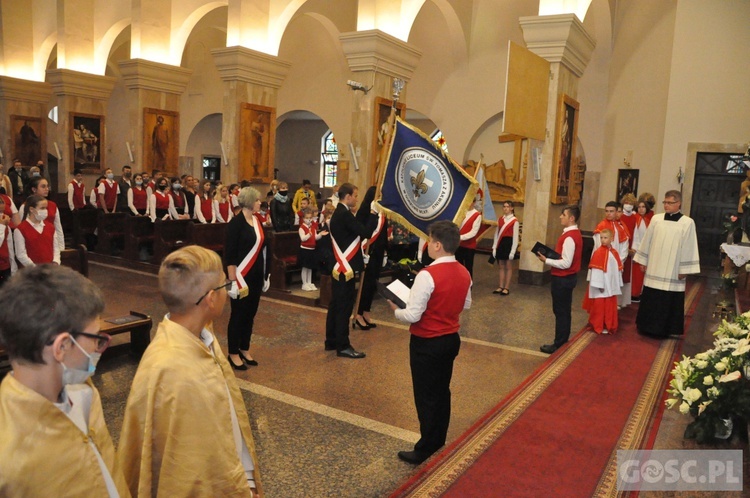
540	248
388	294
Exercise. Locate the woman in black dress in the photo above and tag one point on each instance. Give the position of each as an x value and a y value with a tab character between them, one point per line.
249	268
376	249
504	247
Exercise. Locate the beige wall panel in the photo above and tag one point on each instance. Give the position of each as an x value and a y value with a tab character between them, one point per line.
527	82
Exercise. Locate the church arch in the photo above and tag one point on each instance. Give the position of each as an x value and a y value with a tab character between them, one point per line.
107	44
181	35
204	140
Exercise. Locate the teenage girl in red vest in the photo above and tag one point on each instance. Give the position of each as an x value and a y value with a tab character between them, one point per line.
7	251
505	246
94	195
138	197
180	201
222	205
161	204
76	191
40	186
34	239
108	191
204	202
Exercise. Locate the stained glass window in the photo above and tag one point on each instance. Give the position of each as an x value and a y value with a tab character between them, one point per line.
737	163
438	138
330	154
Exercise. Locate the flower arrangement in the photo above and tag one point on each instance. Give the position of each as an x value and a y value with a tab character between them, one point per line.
731	224
729	280
714	386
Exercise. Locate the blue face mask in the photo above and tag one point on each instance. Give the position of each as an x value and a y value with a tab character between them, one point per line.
110	176
76	376
176	186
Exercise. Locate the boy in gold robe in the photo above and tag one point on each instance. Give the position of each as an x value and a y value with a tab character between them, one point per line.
186	431
53	439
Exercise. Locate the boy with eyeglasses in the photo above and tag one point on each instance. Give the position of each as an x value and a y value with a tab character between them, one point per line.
186	431
53	439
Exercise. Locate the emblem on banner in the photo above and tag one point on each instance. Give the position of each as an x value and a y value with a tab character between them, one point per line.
424	182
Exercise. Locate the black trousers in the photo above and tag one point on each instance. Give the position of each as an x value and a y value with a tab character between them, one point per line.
562	300
431	363
340	309
465	256
241	320
369	282
661	313
4	276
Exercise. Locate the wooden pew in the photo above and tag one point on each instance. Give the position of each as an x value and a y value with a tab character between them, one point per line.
139	230
77	259
110	228
283	247
209	235
139	326
169	235
84	226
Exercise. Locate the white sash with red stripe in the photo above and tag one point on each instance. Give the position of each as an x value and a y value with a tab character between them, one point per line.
375	233
502	229
249	260
343	258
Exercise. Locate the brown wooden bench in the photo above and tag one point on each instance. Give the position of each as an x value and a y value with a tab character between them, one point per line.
110	229
169	235
283	247
77	259
209	235
84	226
139	231
138	324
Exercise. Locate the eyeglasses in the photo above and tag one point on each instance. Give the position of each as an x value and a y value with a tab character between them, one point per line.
226	286
102	340
669	202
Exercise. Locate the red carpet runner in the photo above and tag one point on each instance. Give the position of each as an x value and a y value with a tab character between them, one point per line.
557	433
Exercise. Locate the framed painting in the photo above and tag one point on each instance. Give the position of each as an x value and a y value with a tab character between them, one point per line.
257	143
88	142
382	112
627	183
161	139
27	139
566	132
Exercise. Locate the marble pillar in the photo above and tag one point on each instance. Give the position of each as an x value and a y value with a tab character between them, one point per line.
563	41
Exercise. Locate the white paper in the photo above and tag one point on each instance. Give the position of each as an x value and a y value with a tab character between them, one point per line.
400	289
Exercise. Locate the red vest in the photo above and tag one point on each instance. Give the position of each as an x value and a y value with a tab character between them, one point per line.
110	194
140	198
39	246
78	195
4	252
452	282
207	208
575	265
508	232
466	228
51	211
162	200
8	210
310	242
179	200
224	210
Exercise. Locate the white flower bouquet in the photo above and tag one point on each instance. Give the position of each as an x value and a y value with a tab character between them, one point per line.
713	386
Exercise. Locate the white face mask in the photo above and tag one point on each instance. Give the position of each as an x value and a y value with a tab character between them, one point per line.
76	376
110	176
41	214
627	208
139	182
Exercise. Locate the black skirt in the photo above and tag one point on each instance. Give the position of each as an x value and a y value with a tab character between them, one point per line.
308	258
502	253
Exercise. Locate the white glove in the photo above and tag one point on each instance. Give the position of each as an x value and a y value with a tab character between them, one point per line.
234	291
375	207
266	284
367	258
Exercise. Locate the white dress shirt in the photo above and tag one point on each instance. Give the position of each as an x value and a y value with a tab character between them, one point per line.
568	252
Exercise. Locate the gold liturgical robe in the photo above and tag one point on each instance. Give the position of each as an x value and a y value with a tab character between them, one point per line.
43	453
177	437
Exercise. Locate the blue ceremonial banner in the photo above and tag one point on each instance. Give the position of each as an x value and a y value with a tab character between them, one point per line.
421	184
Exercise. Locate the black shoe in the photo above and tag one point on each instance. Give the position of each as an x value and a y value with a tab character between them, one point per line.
370	324
241	366
329	347
350	352
252	363
548	348
356	325
413	457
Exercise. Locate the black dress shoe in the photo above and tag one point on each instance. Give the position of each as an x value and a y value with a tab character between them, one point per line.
548	348
370	324
356	325
241	366
252	363
413	457
350	352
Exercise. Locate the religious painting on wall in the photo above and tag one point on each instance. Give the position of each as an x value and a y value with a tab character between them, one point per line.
161	139
627	183
382	112
88	142
27	139
257	143
566	134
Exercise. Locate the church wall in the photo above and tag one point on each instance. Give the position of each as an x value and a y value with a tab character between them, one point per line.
708	100
638	93
298	145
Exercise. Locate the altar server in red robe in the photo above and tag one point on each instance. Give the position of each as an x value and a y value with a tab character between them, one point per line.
605	282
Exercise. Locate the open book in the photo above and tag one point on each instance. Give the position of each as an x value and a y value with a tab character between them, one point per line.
396	291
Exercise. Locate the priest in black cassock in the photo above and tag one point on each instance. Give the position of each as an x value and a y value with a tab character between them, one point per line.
669	251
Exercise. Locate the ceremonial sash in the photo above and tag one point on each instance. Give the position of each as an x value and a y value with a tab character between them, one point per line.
252	256
375	233
501	229
343	258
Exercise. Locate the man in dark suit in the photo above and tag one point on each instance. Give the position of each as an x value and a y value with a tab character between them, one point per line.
18	178
125	185
347	235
